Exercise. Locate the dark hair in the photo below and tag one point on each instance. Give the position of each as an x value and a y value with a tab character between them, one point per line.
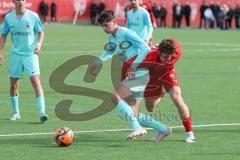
167	46
106	16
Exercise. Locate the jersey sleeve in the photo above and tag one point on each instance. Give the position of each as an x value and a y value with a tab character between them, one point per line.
5	27
146	18
38	27
139	43
109	51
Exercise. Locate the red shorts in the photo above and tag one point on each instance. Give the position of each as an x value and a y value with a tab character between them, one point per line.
156	86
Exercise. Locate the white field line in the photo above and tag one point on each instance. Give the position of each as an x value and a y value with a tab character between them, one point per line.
90	43
114	130
99	51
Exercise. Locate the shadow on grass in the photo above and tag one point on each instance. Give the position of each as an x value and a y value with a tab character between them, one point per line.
8	121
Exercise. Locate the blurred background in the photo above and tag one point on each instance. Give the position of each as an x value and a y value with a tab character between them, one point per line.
211	14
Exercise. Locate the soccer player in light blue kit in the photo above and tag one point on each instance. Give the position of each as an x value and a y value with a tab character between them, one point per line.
138	20
27	37
127	45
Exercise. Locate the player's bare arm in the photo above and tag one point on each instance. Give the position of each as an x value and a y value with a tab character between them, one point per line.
39	44
2	44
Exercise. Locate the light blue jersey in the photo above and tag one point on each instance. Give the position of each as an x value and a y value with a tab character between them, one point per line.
23	31
139	21
126	44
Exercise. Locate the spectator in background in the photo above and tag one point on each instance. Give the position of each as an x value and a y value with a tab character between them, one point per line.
221	18
203	7
229	18
237	16
43	8
163	16
155	10
174	14
215	7
179	15
187	13
208	14
53	8
101	7
93	12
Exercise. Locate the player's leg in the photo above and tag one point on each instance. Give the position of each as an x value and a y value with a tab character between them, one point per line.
123	92
135	104
146	120
15	73
31	64
176	96
36	83
151	103
14	84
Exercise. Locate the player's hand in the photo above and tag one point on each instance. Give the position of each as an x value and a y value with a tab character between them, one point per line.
95	66
1	59
154	25
131	73
38	49
148	42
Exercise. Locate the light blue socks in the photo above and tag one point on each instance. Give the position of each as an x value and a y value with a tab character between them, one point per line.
127	112
14	102
41	104
148	121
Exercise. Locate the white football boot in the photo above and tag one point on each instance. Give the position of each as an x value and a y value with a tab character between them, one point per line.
15	116
137	134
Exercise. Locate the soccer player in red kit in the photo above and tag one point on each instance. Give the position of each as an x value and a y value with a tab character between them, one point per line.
163	78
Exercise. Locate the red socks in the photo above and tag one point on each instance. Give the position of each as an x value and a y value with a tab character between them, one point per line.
187	124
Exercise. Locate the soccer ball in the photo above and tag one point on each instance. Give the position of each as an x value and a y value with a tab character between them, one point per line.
64	136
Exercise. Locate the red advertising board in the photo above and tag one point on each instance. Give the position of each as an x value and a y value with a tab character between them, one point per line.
67	8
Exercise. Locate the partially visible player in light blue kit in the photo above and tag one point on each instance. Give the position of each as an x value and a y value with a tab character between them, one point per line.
27	36
127	44
138	20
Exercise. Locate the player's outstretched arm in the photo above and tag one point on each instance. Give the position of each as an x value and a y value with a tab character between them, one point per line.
2	44
95	66
39	44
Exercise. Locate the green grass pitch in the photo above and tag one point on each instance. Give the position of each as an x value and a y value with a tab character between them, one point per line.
209	72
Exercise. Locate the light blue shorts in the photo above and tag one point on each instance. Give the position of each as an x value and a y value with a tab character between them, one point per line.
19	63
137	85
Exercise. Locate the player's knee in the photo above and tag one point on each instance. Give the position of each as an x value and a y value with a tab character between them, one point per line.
176	94
14	85
149	105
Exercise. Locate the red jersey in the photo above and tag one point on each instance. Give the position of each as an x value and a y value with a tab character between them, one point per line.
153	62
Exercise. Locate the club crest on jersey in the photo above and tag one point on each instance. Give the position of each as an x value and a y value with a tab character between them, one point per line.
172	76
28	26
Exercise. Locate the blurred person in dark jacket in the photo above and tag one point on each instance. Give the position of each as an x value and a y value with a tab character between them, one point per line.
203	7
187	13
179	14
101	7
53	8
237	16
43	8
93	12
174	14
229	18
163	16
